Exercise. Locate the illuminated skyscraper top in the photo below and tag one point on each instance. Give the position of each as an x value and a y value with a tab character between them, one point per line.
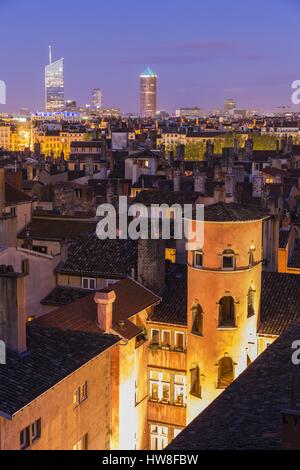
148	93
54	85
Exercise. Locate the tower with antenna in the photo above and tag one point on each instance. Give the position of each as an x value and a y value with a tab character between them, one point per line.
54	84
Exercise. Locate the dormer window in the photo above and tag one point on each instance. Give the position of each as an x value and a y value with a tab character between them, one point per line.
198	259
228	260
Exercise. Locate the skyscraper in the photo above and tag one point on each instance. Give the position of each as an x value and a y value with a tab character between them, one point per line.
54	84
148	93
97	98
229	105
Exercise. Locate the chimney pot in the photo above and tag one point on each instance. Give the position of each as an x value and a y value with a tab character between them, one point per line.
104	301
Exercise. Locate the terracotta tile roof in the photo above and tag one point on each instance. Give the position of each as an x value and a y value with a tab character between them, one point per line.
247	415
280	302
106	258
81	315
53	355
173	308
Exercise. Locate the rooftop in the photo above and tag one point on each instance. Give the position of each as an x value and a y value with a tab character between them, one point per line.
148	73
53	355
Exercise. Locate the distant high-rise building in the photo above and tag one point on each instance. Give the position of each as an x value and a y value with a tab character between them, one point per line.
71	105
54	85
229	105
97	96
148	93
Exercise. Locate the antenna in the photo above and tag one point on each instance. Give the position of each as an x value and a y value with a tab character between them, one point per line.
50	54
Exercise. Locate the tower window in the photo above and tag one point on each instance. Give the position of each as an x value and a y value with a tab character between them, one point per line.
198	259
195	382
251	255
197	319
250	307
225	372
228	260
226	312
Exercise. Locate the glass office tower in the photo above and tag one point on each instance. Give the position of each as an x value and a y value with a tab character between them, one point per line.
54	85
148	93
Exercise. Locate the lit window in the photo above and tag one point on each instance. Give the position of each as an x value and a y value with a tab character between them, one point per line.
225	372
179	341
159	437
180	390
160	386
166	339
88	283
198	259
228	260
251	256
155	337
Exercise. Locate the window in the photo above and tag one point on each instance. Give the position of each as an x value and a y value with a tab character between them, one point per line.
154	336
179	341
36	430
159	437
81	444
226	312
198	259
160	386
228	260
166	339
197	319
170	254
80	394
225	372
251	255
250	307
88	283
30	434
180	390
25	438
195	382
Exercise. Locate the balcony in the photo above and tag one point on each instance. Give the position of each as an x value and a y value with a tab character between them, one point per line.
165	413
167	358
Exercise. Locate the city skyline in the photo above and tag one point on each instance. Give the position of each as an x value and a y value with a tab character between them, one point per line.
190	69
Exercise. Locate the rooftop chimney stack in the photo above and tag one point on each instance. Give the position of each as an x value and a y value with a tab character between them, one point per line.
104	301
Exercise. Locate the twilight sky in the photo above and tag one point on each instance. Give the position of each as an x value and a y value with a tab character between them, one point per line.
202	51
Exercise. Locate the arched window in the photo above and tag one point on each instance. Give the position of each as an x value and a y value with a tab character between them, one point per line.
197	319
251	255
195	390
226	312
250	302
228	260
225	372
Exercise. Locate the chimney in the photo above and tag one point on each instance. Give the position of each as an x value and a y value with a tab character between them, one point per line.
151	264
104	301
176	181
103	171
257	184
12	310
89	166
2	190
199	182
135	171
